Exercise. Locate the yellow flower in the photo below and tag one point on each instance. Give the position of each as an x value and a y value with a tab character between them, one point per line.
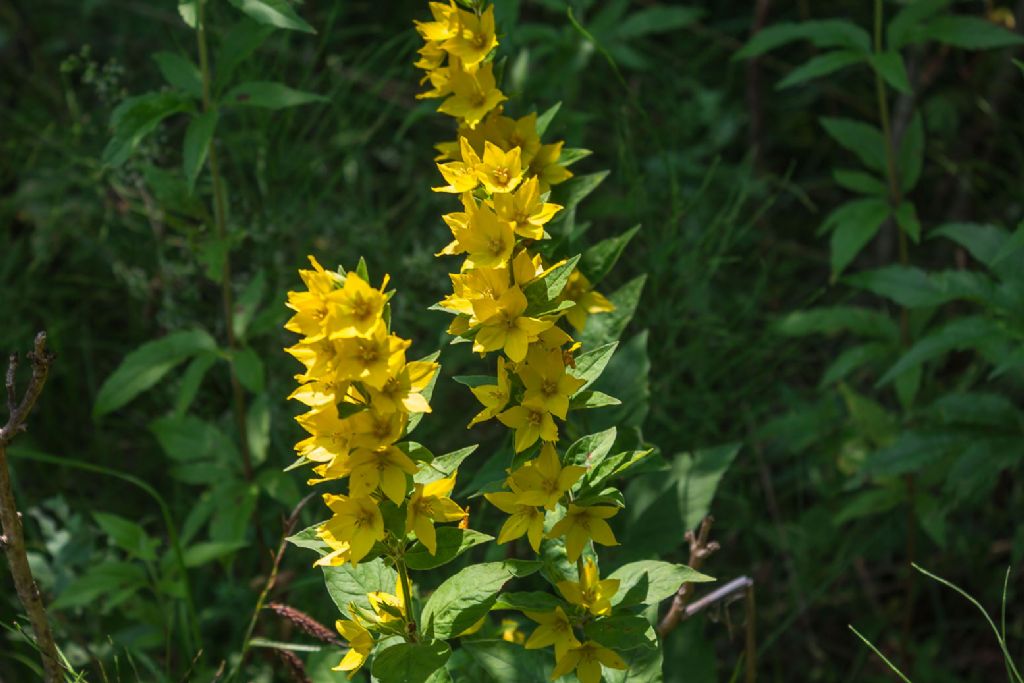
590	592
499	171
320	393
545	478
319	356
404	389
444	24
523	518
329	434
431	503
386	468
508	328
360	643
526	267
555	629
508	133
510	632
582	524
546	381
587	660
311	306
356	521
473	94
372	430
372	359
487	240
525	210
494	397
388	607
461	174
588	302
474	37
545	166
530	422
355	310
431	56
440	84
476	293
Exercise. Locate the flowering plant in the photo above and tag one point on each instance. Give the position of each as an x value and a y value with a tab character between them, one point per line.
524	301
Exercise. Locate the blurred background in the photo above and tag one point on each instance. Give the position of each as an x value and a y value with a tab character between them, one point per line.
839	482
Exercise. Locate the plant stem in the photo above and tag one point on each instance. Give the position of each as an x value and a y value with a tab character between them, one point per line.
12	539
220	225
403	575
895	199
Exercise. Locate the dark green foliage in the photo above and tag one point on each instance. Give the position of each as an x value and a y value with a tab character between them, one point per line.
845	438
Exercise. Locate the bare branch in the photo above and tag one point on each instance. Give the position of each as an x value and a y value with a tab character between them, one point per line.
701	547
13	535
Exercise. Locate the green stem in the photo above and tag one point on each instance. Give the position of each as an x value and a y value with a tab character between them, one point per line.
403	575
220	225
895	199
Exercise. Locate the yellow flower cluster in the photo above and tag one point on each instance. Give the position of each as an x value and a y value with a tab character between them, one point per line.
503	174
361	392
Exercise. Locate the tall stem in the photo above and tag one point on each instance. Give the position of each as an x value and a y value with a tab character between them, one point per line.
12	535
220	225
895	199
403	576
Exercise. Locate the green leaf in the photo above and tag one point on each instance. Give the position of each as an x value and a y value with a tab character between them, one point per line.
970	33
906	218
240	41
545	291
191	381
889	65
592	399
603	328
347	584
187	10
853	358
248	304
533	601
180	72
971	332
544	120
910	157
451	542
475	380
101	579
853	225
832	320
127	535
826	33
657	19
648	582
463	598
443	465
697	478
599	259
905	285
197	145
257	427
137	117
612	466
591	364
208	551
308	538
249	368
575	190
906	28
862	139
278	13
820	65
269	95
146	365
988	244
499	661
859	181
591	449
622	632
410	662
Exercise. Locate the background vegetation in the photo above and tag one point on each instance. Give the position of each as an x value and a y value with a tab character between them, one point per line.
878	403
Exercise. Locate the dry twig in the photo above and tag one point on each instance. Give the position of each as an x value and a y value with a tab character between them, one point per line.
13	537
701	547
